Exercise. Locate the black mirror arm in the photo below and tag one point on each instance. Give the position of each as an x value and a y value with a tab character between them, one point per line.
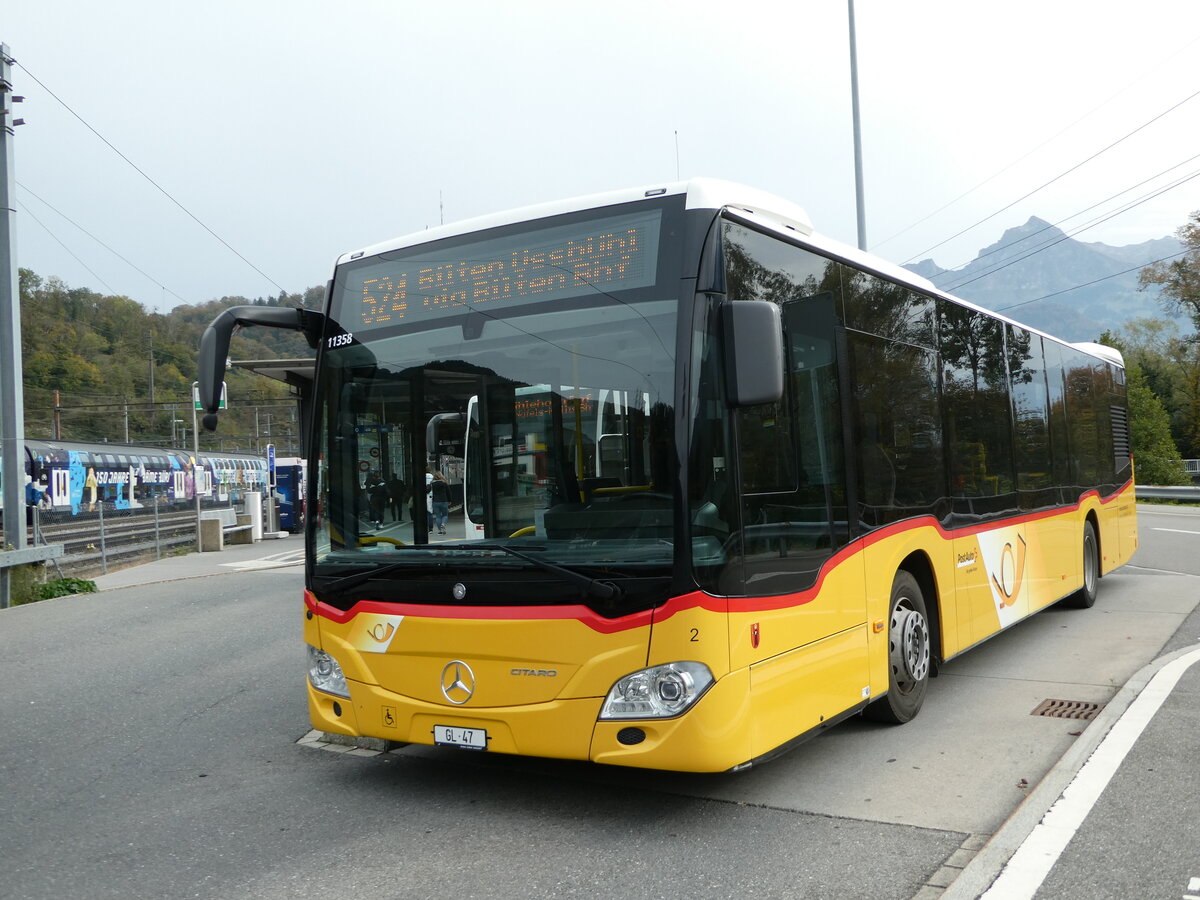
214	345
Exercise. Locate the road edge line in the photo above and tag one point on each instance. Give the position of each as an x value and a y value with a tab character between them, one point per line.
990	862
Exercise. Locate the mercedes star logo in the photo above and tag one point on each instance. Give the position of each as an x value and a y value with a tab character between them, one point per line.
458	682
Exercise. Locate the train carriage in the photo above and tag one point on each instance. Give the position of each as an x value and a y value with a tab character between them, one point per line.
77	477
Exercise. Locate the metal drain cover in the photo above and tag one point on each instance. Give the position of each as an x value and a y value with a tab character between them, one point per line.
1067	709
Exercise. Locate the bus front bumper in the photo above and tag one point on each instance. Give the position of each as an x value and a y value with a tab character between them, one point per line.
710	737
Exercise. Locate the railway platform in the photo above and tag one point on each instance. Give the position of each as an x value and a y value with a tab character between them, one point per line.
282	553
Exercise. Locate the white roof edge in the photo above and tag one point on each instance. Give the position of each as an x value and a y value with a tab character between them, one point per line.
713	193
875	264
702	193
520	214
1112	354
907	276
716	194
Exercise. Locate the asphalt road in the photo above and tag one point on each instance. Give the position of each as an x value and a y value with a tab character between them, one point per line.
150	750
1127	824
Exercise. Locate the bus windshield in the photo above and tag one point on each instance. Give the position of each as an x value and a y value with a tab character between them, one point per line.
537	419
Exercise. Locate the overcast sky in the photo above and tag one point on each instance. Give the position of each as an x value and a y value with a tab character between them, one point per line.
298	130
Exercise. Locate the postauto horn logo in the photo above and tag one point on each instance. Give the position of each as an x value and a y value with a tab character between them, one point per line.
1004	557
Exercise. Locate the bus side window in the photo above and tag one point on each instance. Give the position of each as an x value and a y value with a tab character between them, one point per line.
1027	373
789	453
897	432
979	424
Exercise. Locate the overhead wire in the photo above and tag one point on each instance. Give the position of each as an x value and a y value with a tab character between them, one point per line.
1046	245
96	239
1003	247
56	239
1096	281
139	170
1034	150
1058	177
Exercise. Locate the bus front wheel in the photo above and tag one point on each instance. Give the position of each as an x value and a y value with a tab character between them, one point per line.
908	655
1085	597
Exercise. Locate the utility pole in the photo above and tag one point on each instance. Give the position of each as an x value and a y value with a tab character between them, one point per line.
153	423
12	392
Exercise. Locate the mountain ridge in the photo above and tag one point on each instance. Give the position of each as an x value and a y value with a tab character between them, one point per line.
1037	274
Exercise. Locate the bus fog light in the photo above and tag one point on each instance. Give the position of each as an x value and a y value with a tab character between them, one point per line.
325	673
658	692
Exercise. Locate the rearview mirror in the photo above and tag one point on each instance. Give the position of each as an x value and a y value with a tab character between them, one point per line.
753	352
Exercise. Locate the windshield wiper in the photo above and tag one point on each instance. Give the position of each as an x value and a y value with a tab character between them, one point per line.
349	581
601	590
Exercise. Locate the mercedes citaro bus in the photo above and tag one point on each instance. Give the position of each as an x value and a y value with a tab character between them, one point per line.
709	482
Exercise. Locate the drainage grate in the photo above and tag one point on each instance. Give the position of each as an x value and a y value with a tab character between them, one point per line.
1067	709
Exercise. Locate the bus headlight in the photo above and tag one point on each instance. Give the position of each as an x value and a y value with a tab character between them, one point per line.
658	692
325	673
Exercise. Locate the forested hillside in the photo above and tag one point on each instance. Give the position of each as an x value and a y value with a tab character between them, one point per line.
124	374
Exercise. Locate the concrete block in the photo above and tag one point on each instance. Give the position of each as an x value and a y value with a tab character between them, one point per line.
212	537
244	533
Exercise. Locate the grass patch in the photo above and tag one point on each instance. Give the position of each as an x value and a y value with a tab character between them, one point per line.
62	587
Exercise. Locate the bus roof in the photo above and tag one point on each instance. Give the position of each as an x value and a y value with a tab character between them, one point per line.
1111	354
769	209
702	193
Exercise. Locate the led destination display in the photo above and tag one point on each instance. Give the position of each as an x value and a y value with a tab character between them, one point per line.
617	253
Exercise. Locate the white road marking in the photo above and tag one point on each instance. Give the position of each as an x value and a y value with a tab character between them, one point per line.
274	561
1175	530
1036	856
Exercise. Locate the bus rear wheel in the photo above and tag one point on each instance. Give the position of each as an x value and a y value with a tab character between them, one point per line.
1085	597
908	655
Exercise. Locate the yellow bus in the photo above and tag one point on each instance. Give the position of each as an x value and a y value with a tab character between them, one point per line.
720	482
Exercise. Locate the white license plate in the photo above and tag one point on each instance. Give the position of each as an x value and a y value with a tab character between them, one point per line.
455	736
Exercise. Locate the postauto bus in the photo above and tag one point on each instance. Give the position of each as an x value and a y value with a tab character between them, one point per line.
821	478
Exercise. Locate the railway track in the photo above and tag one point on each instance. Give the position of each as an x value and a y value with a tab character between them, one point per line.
95	543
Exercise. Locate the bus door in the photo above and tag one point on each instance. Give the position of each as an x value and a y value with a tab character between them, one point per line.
445	434
475	474
529	448
621	456
507	465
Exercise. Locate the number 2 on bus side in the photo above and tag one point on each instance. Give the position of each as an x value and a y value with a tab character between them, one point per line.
451	736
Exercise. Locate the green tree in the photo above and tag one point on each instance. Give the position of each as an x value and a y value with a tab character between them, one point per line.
1179	280
1154	451
1170	365
88	359
1180	277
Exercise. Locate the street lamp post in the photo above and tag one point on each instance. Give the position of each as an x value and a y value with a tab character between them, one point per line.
860	203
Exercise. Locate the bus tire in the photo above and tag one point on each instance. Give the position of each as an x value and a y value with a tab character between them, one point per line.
909	655
1085	597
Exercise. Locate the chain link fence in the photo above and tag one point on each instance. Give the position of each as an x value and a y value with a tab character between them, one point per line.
105	538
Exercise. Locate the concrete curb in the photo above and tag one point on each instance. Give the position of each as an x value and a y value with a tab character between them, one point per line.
978	875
